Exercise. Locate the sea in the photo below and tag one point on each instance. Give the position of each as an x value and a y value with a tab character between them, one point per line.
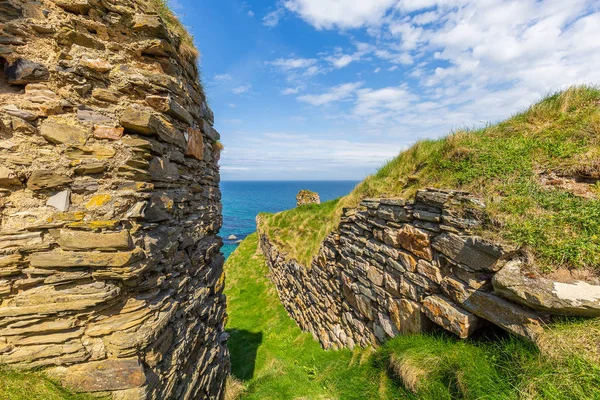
244	200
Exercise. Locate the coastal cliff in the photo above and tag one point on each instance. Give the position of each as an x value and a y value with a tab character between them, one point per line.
111	277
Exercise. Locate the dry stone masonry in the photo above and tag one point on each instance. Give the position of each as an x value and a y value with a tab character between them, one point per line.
111	275
397	267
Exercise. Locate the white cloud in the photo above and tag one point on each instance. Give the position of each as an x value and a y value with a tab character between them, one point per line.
242	89
289	91
292	156
339	13
287	64
250	13
341	61
377	70
336	93
271	20
219	78
371	101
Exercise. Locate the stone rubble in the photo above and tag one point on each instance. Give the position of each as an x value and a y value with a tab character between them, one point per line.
111	276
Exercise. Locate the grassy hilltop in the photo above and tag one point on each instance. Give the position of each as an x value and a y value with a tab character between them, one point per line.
537	171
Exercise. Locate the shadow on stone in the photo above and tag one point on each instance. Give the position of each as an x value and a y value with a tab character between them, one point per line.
243	346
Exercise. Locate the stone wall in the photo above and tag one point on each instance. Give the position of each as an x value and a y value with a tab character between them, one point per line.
111	275
403	267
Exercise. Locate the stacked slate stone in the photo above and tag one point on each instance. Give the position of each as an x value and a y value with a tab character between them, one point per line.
310	295
110	268
397	267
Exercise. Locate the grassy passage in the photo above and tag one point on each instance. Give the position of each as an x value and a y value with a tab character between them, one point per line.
32	385
509	165
273	359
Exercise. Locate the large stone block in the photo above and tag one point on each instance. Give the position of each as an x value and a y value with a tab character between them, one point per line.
9	177
61	133
573	299
509	316
22	72
140	121
66	259
195	144
408	316
412	239
474	252
102	376
167	105
46	180
449	316
78	240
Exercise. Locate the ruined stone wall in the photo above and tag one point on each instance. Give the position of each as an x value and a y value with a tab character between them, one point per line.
402	267
110	271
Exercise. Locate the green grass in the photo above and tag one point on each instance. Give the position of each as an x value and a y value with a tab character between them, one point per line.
502	164
16	385
305	226
273	359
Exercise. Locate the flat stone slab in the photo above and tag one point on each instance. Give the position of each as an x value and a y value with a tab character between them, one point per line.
579	298
509	316
100	376
449	316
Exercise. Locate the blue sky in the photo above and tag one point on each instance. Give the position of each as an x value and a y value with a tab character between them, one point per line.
331	89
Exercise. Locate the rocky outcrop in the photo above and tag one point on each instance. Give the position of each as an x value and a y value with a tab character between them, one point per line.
110	272
307	197
397	267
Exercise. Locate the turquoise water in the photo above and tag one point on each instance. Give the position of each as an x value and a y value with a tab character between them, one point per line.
242	201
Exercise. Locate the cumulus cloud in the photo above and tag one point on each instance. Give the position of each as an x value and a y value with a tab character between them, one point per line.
294	63
327	14
472	60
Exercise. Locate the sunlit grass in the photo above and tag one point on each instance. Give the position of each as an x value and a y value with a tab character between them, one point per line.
15	385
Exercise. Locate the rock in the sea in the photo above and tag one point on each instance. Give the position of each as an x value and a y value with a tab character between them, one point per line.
307	197
572	299
232	237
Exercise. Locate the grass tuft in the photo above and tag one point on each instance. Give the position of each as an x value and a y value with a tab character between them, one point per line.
186	41
16	385
502	164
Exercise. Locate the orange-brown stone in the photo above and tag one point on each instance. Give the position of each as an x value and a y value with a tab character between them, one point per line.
107	132
195	145
416	241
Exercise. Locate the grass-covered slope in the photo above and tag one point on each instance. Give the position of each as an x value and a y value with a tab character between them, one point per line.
273	359
32	385
537	171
